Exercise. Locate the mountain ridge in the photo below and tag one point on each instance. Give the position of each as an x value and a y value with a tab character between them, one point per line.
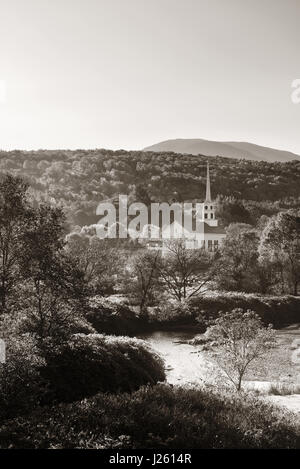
238	150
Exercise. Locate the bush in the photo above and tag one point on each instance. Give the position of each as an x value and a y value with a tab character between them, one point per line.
111	318
284	389
87	364
172	314
157	417
279	311
21	386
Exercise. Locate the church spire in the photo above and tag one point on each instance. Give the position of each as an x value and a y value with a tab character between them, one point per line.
208	195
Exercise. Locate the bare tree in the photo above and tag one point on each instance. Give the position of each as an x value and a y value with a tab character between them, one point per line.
145	271
186	272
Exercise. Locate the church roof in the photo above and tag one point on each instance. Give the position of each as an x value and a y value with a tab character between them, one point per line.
203	227
212	229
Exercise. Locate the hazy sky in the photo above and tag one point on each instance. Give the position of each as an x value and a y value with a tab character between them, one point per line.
129	73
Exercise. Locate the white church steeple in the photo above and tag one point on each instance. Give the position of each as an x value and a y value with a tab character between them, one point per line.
209	207
208	194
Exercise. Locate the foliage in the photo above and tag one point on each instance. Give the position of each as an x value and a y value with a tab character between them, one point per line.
97	259
145	283
236	340
171	313
87	364
54	286
108	317
277	310
265	259
13	210
39	283
79	179
239	269
21	386
231	210
280	245
156	417
284	389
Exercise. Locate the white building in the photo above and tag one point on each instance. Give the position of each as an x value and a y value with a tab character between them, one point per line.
207	233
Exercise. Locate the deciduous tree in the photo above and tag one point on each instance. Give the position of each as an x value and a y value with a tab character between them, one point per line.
236	340
54	288
145	281
186	272
280	244
13	218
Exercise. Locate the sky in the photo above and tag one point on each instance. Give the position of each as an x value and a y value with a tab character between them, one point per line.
130	73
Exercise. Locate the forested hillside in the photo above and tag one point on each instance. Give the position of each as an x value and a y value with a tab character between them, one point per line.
79	179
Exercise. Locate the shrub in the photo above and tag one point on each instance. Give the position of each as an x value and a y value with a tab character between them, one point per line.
279	311
21	386
238	339
87	364
156	417
284	389
172	313
111	318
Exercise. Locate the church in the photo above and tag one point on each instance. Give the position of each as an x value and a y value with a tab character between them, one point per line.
208	234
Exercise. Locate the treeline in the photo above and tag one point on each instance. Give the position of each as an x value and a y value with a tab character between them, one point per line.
79	179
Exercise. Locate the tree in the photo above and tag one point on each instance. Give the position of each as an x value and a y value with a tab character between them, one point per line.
186	272
239	268
280	244
236	340
21	387
53	286
97	259
141	195
13	210
145	272
231	210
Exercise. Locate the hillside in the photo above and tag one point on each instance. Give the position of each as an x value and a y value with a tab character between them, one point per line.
78	180
245	150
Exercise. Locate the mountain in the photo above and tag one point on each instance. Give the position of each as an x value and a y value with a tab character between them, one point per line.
243	150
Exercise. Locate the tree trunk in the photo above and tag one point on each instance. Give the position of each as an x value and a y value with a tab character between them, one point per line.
3	298
239	385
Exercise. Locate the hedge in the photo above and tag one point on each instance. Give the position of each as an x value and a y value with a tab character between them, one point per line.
277	310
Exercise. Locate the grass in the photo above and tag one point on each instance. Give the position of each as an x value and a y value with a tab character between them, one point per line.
283	389
277	373
279	365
